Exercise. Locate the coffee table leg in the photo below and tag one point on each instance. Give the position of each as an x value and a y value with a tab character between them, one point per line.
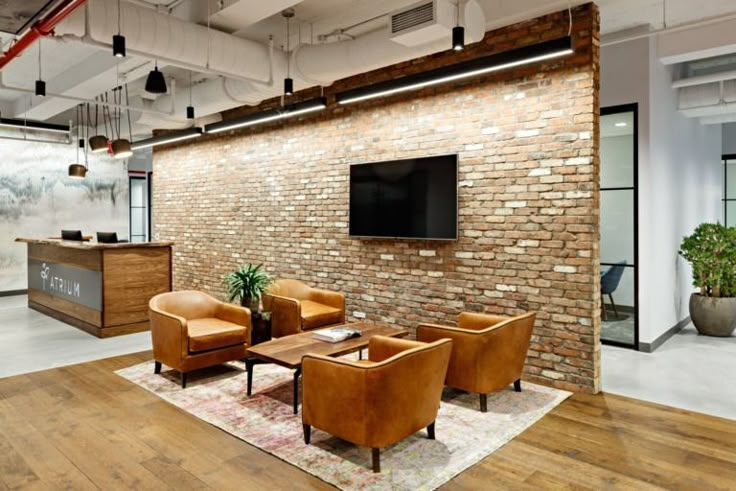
297	373
249	364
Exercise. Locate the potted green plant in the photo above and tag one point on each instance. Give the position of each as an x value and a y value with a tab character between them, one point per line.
247	283
711	251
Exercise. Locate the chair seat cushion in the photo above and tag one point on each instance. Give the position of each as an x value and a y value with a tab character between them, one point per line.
209	333
316	315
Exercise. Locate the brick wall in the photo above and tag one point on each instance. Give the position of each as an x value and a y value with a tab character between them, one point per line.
527	141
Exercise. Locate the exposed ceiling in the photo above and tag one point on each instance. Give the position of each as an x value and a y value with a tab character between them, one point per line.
84	69
16	14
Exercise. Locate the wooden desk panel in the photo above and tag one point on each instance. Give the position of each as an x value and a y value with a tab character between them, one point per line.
131	277
103	289
86	259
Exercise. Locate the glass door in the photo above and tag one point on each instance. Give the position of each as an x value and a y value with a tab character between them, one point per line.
138	209
729	190
619	211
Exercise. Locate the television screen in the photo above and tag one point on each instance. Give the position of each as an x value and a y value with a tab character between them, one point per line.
412	199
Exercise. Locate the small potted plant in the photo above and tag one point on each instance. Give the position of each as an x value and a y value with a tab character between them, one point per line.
711	251
247	283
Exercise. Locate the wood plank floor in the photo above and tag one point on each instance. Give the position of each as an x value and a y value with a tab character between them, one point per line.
83	427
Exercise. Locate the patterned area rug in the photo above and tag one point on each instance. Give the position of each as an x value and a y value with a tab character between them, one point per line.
266	420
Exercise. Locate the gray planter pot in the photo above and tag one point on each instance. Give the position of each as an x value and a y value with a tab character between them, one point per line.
713	316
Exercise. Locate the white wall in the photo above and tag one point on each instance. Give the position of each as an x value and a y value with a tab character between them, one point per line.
684	191
729	139
679	178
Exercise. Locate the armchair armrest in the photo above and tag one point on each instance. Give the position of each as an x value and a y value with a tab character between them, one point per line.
169	337
334	396
326	297
286	316
235	314
381	348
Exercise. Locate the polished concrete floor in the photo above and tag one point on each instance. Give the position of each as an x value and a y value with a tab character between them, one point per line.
689	371
31	341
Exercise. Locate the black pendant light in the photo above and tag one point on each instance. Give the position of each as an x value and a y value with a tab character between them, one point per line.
118	40
458	32
155	83
97	143
77	170
190	108
288	82
121	148
40	84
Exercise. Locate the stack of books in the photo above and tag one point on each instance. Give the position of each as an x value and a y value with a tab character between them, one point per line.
337	334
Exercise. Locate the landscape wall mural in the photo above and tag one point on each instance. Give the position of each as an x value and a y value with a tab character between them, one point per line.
37	199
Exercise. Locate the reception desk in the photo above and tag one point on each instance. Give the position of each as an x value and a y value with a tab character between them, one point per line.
103	289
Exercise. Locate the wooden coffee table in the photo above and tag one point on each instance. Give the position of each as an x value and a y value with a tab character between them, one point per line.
288	351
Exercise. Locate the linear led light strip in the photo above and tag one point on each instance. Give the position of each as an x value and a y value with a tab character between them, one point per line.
288	112
31	127
367	93
163	140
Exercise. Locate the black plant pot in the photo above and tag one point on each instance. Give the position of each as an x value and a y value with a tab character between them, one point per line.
250	303
713	316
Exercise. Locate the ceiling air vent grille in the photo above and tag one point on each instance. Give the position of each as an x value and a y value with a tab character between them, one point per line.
408	19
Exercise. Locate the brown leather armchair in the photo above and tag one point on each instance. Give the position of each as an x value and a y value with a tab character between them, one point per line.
488	351
379	401
297	307
192	330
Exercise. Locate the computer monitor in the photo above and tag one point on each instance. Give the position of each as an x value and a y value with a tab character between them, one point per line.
72	235
107	237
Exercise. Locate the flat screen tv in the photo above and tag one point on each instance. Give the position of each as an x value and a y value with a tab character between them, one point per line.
408	199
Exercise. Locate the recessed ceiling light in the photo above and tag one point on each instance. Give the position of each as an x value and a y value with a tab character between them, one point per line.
621	125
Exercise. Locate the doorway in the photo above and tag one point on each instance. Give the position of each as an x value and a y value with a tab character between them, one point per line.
619	228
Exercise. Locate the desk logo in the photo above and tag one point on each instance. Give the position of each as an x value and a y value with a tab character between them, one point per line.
59	284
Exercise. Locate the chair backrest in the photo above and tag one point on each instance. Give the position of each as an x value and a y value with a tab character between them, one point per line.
290	288
107	237
504	351
406	391
72	235
612	277
188	304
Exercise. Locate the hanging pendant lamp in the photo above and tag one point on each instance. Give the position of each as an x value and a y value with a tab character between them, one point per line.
288	81
155	83
121	148
190	108
118	40
97	143
40	84
458	32
77	170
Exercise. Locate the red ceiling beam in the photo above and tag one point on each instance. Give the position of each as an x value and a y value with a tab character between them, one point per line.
42	27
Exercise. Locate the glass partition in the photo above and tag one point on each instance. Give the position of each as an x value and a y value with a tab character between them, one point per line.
138	209
619	158
729	190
